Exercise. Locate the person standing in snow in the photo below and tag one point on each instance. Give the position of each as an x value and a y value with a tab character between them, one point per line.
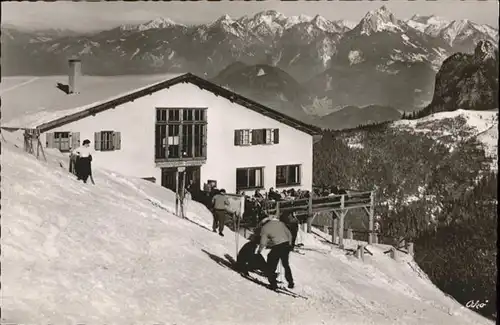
83	161
292	223
220	204
276	236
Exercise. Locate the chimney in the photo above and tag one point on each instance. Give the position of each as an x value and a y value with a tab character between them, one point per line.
75	71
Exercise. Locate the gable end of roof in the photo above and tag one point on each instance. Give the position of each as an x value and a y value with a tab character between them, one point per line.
185	78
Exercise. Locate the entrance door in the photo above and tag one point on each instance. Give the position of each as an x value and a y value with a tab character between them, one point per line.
168	178
193	174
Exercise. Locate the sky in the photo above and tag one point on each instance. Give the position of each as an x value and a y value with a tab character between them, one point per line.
92	16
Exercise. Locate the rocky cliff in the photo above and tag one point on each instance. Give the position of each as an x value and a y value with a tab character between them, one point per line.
467	81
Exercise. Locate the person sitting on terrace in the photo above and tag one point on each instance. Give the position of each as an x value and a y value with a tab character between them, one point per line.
273	195
258	195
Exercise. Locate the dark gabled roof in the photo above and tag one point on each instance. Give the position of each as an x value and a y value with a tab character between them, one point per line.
185	78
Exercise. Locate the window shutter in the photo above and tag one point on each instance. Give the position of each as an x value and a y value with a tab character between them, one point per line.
49	140
263	136
204	150
117	140
97	140
255	137
276	135
75	140
237	137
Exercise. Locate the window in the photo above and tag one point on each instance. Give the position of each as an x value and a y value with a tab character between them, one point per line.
272	136
248	178
180	133
173	141
287	175
256	137
64	141
242	137
107	141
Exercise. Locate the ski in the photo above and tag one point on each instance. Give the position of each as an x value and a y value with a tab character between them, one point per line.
230	263
279	290
305	249
291	293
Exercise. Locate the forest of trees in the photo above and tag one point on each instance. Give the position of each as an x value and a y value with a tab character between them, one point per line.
453	223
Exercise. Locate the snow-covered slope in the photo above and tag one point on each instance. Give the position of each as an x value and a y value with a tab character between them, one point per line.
114	253
460	125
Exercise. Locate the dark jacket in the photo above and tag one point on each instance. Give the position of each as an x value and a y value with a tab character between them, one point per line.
247	260
288	218
274	196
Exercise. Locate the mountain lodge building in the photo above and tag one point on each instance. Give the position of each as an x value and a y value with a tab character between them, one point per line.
149	126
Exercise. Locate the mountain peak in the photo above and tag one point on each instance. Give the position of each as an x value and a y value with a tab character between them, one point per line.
382	13
320	21
156	23
383	9
224	18
379	20
318	18
327	25
269	16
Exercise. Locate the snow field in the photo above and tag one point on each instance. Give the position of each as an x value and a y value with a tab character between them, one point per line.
114	253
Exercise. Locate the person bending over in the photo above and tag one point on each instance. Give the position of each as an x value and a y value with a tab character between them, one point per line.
248	260
276	236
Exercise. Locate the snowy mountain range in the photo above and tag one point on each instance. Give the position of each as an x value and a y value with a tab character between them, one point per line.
380	60
296	43
457	33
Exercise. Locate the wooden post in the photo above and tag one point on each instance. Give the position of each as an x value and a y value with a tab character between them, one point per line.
335	227
349	233
375	239
410	248
182	192
371	216
25	136
278	209
28	141
41	149
341	228
37	147
310	216
360	252
177	193
394	253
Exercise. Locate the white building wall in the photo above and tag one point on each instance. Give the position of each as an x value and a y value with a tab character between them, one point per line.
136	120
